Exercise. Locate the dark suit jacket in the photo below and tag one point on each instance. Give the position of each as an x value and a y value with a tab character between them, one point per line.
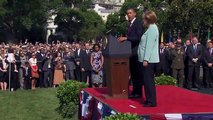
191	53
45	65
18	61
29	72
78	57
40	60
1	66
207	57
164	59
70	62
134	35
85	60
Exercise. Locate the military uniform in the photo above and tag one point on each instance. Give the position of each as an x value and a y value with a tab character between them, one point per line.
178	55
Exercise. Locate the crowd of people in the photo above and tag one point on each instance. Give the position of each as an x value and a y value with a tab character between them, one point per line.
184	62
28	65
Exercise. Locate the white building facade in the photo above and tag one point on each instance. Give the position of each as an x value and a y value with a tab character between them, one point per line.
103	11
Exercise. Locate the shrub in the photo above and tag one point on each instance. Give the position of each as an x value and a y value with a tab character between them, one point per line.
120	116
165	80
68	95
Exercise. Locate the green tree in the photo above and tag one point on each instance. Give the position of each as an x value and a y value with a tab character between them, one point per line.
24	18
140	6
86	25
93	26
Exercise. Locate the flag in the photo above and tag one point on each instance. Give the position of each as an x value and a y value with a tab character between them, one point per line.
209	34
170	36
190	36
162	38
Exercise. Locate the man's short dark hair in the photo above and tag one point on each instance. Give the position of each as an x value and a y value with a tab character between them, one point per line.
133	9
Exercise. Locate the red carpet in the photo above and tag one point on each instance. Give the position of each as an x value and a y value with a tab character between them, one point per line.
170	99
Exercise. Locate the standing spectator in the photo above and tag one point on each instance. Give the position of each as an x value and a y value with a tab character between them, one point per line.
208	62
27	73
13	75
97	61
78	54
178	55
194	53
3	72
187	44
69	65
34	67
23	60
58	75
163	66
48	70
85	64
40	55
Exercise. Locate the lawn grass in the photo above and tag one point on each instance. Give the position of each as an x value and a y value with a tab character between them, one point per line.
39	104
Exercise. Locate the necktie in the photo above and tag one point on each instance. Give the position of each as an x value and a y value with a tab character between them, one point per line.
210	51
26	72
195	48
129	27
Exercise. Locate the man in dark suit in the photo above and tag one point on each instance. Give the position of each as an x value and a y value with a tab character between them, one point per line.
194	53
78	54
48	70
40	55
69	65
27	72
163	67
187	44
208	63
85	64
134	33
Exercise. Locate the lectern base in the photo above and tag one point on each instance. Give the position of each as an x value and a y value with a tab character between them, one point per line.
106	96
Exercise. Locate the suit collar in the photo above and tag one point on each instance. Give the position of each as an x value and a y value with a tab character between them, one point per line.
133	20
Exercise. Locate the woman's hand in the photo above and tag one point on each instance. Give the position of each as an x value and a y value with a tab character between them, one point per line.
145	63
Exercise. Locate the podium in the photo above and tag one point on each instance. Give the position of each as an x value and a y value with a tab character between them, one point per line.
116	67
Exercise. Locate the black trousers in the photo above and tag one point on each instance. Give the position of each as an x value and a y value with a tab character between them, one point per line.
78	73
86	74
69	75
136	75
193	76
209	77
41	79
48	80
149	83
27	82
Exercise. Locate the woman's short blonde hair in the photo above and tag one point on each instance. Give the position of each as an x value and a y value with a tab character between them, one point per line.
150	17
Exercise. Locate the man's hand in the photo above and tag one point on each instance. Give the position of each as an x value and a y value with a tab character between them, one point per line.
195	60
78	62
145	63
122	39
209	64
82	69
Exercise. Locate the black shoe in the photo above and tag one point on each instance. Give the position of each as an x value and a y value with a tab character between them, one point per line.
145	102
149	105
135	96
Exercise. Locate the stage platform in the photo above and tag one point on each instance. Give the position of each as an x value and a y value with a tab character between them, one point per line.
173	103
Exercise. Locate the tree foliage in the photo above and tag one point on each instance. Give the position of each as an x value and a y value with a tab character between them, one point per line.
174	15
24	18
86	25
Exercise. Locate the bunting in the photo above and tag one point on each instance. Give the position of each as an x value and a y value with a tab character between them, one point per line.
162	38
